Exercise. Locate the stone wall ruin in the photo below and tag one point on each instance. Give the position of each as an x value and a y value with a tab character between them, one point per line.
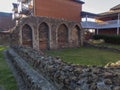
62	75
47	33
5	38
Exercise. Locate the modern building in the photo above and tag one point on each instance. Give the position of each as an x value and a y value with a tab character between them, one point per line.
110	21
105	23
6	22
63	9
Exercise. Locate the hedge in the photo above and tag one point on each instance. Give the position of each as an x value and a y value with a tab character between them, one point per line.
113	39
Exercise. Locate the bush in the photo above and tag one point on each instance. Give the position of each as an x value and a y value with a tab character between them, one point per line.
113	39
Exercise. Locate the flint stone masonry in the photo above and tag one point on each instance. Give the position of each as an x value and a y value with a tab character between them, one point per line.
70	76
32	79
47	33
4	38
116	64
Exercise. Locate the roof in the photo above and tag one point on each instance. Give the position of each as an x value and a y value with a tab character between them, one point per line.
113	11
79	1
5	14
5	32
88	14
110	12
116	7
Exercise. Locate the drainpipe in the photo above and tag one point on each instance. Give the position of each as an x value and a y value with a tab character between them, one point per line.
86	18
34	12
86	21
118	18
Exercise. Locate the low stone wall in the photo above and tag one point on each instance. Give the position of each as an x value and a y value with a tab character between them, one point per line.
102	47
4	38
69	76
33	80
116	64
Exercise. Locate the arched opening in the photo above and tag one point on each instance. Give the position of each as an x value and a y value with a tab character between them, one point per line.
44	36
75	36
27	36
62	36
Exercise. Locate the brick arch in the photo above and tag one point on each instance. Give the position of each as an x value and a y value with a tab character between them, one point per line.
62	36
75	36
27	39
44	36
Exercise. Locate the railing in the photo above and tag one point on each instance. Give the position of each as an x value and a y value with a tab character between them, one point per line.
25	1
88	24
98	25
114	22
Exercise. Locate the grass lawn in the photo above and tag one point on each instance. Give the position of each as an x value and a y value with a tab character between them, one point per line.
7	80
86	56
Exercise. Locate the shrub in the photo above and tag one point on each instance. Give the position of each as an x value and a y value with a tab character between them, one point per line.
113	39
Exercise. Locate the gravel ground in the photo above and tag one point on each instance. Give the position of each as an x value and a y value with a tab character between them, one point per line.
20	83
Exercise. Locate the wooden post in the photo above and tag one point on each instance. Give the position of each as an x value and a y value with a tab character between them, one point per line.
118	22
97	32
86	18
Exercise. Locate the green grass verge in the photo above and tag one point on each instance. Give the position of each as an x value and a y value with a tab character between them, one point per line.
7	80
86	56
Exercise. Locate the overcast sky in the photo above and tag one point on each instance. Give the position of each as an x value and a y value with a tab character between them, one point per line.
94	6
6	5
99	6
